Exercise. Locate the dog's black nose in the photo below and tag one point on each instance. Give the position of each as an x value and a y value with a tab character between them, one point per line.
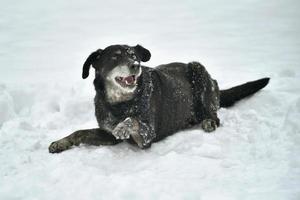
134	67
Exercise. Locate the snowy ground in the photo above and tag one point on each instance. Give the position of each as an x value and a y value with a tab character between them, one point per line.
253	155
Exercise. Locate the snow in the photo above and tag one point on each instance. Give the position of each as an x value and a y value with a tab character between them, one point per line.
253	155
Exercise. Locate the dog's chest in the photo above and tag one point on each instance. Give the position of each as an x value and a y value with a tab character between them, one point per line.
111	115
116	94
124	109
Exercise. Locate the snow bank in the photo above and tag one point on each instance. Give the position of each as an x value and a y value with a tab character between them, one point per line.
6	105
253	155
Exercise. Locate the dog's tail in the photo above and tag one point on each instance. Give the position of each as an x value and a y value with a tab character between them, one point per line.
230	96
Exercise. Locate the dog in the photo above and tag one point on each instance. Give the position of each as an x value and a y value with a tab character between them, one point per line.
143	105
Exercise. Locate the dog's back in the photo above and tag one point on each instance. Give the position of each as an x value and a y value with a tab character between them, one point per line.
176	110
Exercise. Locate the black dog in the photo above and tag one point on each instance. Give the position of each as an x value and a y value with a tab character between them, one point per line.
144	105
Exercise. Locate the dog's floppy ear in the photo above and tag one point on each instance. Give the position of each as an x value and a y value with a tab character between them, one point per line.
89	61
142	53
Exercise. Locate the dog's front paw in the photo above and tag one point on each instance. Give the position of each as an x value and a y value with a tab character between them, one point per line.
209	125
122	130
59	146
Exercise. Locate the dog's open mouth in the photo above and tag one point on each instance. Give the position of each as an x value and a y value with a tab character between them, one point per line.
128	81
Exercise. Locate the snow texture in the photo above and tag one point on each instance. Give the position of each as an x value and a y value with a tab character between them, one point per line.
253	155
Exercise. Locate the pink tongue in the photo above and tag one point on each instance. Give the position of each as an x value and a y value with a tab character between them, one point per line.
129	79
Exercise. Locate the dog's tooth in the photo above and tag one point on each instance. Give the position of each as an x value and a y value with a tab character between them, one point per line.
119	78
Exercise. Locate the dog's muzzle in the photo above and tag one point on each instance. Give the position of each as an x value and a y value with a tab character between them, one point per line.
126	81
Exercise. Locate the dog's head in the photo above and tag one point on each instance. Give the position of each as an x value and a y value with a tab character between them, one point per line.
117	64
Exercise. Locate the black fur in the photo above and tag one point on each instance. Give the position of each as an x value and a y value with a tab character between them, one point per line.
142	53
167	99
90	61
230	96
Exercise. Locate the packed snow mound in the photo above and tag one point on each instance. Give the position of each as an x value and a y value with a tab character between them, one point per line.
6	105
253	155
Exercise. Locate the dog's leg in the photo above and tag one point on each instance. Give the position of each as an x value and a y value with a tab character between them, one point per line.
138	131
141	128
206	97
134	129
90	136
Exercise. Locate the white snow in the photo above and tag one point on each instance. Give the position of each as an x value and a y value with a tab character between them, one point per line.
253	155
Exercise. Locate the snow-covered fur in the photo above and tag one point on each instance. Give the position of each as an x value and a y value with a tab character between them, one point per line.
144	105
